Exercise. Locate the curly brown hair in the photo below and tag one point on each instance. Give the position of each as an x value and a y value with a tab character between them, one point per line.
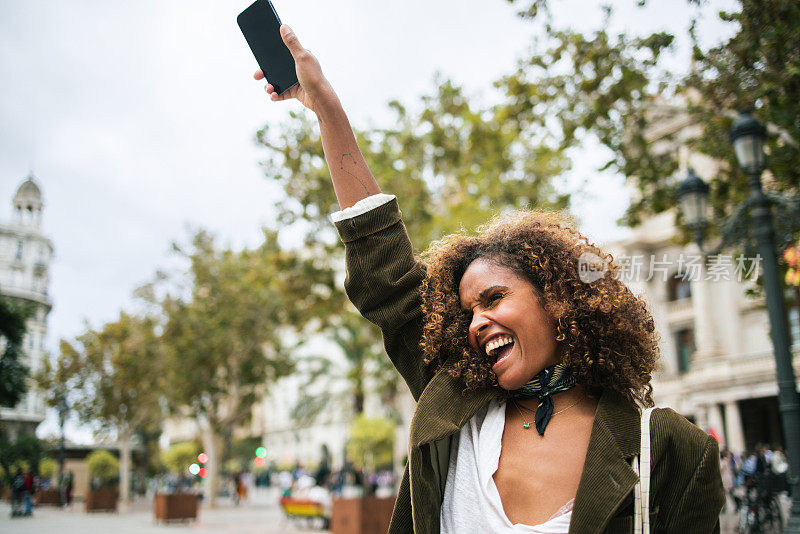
605	333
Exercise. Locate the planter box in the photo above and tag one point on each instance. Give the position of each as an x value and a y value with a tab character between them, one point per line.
102	500
368	515
175	506
48	496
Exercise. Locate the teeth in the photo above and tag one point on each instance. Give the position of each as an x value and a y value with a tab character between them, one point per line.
496	344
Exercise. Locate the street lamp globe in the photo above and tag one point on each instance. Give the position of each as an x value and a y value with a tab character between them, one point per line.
747	136
693	200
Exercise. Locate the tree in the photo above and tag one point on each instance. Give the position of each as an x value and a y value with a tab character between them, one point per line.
614	87
371	441
366	365
116	376
231	332
452	164
13	373
25	452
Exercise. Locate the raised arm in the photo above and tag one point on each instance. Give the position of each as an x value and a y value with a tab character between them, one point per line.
383	278
352	179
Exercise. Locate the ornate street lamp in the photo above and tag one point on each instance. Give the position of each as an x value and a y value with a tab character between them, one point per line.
747	137
693	199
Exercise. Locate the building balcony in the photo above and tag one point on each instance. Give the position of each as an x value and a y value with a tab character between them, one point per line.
679	310
735	376
27	293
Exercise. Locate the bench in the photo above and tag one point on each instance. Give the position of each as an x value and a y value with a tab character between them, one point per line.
305	509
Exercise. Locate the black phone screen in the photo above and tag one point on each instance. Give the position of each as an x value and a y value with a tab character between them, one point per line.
261	28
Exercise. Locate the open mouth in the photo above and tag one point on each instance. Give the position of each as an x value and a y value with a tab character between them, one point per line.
499	349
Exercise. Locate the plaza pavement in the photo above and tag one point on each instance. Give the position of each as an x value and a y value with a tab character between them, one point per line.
260	514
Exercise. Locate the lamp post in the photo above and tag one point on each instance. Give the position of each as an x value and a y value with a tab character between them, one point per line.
62	416
747	136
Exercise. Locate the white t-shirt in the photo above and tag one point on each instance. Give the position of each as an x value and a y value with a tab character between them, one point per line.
471	500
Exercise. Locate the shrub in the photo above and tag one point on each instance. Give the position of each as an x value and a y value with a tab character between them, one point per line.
371	442
180	456
103	467
47	468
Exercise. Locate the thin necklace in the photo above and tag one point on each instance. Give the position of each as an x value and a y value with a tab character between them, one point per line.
527	424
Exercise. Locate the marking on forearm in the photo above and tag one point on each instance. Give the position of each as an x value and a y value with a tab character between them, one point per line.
353	165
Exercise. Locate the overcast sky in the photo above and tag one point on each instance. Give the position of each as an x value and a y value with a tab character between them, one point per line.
138	118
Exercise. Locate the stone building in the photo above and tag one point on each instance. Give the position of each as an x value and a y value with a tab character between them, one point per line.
25	255
717	364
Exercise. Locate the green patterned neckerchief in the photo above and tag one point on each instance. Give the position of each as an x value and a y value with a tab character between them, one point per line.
542	386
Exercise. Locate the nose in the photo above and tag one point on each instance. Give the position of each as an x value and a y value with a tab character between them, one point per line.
479	324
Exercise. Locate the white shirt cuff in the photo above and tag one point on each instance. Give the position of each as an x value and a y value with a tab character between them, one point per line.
362	206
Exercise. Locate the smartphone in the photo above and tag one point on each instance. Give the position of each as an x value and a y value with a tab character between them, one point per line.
260	25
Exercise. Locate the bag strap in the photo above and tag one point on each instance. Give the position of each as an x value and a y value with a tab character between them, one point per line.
641	466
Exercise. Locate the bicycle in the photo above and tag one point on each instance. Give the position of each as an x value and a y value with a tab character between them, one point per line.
760	511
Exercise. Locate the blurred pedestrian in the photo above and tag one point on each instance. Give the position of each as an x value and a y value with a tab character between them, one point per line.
30	489
241	487
726	470
779	464
68	484
17	492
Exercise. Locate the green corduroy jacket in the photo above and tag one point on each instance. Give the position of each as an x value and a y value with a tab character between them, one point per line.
383	280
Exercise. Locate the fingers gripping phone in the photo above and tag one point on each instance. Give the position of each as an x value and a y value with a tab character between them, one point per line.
260	25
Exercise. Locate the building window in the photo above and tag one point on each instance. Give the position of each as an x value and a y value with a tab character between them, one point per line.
684	346
18	254
679	287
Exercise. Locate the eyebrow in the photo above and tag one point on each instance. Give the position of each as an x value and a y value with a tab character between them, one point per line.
485	293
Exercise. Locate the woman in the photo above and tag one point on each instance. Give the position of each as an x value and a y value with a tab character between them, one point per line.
527	379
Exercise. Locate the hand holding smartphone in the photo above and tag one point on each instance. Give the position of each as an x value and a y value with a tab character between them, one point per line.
260	25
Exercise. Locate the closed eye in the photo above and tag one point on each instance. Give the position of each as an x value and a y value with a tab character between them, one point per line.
492	299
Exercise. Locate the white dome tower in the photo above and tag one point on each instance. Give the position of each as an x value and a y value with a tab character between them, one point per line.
28	204
25	255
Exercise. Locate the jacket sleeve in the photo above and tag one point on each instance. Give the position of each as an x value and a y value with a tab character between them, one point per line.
699	507
383	282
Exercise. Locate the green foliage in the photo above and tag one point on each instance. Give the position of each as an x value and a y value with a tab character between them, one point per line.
114	376
615	88
103	466
367	363
21	465
232	466
24	452
759	67
148	435
229	339
452	165
180	456
243	450
47	468
371	442
13	373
